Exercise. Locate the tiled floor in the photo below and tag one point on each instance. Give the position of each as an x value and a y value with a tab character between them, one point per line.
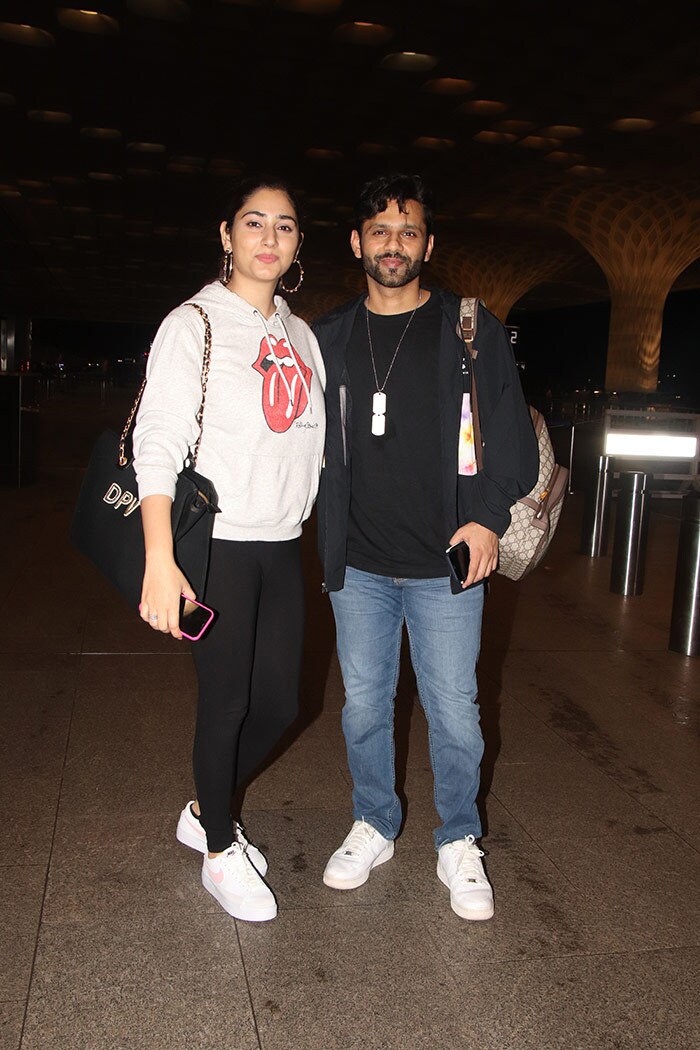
591	806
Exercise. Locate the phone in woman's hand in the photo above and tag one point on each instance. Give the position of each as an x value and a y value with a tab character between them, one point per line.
194	618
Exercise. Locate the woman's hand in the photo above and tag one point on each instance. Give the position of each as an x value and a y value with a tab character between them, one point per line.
483	550
163	583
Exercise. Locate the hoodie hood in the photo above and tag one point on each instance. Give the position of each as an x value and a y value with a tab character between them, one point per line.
217	294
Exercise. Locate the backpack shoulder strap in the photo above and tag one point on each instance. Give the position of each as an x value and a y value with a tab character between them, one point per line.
468	309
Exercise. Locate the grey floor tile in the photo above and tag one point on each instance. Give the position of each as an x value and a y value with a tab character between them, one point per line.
41	688
126	865
21	895
29	813
11	1020
553	790
141	957
646	892
119	1020
347	978
601	1002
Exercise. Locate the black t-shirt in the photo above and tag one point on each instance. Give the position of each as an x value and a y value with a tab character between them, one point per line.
396	525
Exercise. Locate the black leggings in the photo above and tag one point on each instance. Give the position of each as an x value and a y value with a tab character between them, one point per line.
248	668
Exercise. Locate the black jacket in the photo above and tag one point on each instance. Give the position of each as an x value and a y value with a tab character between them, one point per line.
509	442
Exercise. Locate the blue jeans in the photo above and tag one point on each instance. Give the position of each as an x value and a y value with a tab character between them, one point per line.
444	632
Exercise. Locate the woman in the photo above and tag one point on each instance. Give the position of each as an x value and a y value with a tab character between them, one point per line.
262	447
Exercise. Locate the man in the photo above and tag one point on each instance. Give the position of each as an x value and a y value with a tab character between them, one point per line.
400	484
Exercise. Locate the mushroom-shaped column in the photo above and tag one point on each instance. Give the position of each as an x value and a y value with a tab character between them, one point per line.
642	235
498	272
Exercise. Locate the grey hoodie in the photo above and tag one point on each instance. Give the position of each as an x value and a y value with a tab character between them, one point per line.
264	418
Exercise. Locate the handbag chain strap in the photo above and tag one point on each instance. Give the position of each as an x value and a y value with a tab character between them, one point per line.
206	359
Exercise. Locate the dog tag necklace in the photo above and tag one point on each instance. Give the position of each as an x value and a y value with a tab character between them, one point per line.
379	397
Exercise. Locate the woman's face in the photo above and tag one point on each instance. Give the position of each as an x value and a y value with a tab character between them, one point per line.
264	237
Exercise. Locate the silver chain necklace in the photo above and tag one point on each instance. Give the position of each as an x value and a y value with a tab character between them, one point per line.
379	397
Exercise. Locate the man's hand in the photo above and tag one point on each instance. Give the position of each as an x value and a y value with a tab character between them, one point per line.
483	550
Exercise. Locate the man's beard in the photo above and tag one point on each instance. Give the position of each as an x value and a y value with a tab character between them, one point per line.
386	278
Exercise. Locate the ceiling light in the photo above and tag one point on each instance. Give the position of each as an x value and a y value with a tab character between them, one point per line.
585	169
662	446
32	184
163	10
538	142
9	191
692	118
408	62
324	223
221	167
104	176
495	137
323	154
101	133
483	105
426	142
632	124
49	116
448	86
29	36
369	34
7	98
311	7
561	157
514	127
563	131
146	147
87	21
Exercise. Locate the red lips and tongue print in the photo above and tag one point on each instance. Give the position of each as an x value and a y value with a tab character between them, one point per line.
280	409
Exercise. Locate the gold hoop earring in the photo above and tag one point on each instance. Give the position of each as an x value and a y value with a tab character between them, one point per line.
297	286
227	268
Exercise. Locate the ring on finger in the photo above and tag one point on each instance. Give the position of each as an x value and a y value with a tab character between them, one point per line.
153	617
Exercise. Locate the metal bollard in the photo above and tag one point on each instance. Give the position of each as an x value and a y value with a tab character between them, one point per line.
685	613
631	527
596	511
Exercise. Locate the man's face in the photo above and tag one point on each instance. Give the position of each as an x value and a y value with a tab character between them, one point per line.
393	245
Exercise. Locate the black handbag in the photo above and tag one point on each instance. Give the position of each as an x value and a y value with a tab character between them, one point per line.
107	524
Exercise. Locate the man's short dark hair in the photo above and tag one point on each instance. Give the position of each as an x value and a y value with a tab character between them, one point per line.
376	194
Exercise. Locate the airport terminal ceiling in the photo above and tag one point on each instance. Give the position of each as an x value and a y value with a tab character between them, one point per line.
561	141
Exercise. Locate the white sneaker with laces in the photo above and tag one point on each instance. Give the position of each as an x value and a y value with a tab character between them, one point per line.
191	833
233	881
363	849
460	868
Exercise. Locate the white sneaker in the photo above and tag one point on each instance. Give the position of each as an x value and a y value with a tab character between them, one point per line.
363	849
191	833
236	885
460	868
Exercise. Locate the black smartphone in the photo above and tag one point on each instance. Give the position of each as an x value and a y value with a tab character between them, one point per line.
194	618
458	561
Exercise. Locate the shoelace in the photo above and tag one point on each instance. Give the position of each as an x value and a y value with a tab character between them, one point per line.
358	838
236	861
469	866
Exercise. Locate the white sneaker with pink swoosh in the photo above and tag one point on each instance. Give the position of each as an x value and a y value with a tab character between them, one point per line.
236	885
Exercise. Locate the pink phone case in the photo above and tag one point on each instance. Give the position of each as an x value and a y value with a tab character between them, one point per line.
210	617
